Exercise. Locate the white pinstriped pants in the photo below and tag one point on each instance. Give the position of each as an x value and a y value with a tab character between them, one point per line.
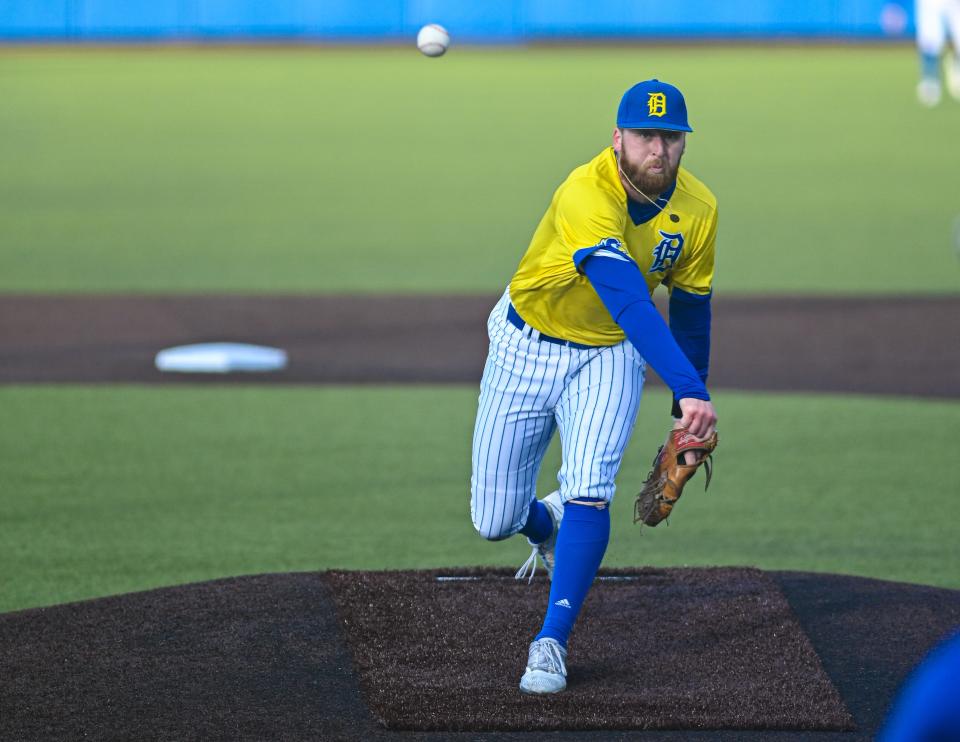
936	21
529	389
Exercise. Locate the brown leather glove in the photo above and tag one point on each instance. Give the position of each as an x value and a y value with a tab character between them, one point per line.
670	473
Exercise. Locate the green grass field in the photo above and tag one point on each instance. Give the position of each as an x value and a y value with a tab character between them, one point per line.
110	490
358	169
377	170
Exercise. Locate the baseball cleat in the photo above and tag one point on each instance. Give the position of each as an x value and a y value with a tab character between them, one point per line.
544	550
546	668
928	92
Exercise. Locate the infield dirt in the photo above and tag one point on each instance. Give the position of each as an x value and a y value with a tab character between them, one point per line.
860	345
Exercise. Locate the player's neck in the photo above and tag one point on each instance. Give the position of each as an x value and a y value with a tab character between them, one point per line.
641	197
636	194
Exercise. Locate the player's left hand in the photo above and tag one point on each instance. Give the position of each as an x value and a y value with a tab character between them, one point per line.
700	419
666	480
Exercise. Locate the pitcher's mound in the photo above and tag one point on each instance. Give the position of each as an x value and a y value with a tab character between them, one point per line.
655	649
265	657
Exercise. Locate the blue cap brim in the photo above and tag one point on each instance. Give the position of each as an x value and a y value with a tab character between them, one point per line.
647	125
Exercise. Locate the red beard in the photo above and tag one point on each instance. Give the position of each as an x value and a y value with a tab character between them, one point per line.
651	184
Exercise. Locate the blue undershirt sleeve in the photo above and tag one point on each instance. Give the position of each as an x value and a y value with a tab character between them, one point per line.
621	288
690	317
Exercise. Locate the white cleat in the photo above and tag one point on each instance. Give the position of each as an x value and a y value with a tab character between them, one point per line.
546	549
546	668
928	92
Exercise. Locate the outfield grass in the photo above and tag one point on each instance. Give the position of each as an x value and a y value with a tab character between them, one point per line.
105	490
356	169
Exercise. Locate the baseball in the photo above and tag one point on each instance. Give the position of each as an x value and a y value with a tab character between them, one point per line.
433	40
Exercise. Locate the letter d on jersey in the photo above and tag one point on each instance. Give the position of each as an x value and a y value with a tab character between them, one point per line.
667	252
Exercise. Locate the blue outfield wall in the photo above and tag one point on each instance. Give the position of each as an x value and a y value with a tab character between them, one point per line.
492	21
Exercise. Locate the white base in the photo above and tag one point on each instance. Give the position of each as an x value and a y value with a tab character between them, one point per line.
220	358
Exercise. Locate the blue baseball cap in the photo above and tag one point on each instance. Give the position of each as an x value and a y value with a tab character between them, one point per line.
652	104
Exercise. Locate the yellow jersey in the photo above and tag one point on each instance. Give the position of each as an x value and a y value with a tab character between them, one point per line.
590	211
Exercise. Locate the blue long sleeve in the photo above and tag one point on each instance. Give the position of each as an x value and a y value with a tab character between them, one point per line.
623	292
690	319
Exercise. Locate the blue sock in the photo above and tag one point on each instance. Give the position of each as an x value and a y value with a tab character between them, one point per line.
930	66
539	524
581	543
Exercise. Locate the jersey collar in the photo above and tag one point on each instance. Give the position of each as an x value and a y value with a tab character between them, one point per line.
642	213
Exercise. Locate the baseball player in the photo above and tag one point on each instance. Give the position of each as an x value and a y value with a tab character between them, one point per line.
569	343
927	707
937	20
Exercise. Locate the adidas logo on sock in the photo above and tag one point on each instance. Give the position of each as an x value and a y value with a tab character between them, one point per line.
563	603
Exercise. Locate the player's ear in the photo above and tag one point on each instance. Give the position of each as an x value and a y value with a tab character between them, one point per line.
617	140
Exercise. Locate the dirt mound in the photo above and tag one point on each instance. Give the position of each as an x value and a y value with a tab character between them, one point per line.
266	657
655	649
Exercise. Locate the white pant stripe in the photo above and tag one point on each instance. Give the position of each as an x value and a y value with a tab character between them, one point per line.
507	340
531	388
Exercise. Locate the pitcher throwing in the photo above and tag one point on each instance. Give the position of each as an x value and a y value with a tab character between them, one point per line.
569	342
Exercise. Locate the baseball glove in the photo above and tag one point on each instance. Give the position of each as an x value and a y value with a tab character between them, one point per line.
670	473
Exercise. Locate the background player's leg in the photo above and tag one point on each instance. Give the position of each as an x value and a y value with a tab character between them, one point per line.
931	38
953	59
596	414
522	381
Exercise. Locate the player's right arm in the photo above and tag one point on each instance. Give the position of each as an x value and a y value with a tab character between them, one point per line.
620	285
590	221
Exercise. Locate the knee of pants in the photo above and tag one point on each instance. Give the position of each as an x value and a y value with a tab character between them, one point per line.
492	529
493	513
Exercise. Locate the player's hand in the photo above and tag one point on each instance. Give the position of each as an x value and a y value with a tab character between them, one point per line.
699	417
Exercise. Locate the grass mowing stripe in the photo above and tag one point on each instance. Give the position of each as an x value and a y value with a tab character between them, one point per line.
376	170
111	489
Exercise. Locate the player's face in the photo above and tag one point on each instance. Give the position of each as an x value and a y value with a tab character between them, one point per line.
650	157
